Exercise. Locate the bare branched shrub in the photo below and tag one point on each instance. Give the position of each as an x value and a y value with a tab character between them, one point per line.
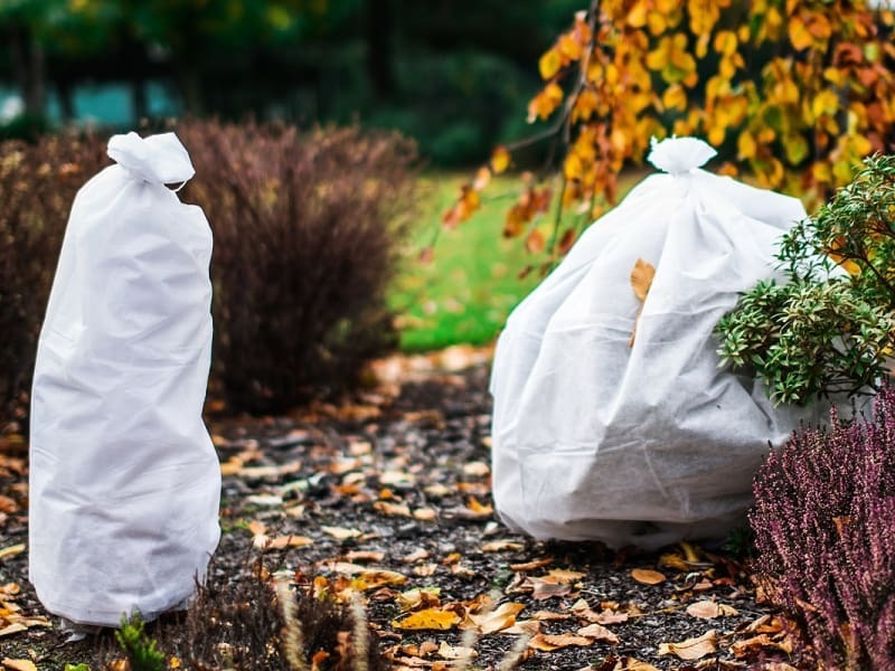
306	237
38	183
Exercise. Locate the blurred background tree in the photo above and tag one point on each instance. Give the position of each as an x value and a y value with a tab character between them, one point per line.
441	71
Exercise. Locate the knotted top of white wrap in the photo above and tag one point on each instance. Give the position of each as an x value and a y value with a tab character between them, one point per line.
680	155
160	159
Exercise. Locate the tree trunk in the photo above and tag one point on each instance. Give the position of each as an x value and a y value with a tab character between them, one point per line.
29	69
379	47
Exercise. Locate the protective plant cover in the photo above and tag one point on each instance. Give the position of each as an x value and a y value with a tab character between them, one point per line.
125	482
639	437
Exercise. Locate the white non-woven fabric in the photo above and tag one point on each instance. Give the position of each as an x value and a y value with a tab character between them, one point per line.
651	442
125	483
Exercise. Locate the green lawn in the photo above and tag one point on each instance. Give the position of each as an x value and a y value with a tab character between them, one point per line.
466	292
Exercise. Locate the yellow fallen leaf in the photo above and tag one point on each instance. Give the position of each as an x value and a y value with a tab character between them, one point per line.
565	576
550	642
19	664
709	609
598	633
476	510
500	618
12	551
430	618
642	278
692	648
647	576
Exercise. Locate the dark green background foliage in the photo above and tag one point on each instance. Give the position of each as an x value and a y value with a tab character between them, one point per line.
455	74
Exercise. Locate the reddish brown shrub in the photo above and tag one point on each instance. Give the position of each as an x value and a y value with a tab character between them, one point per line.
38	183
824	523
305	245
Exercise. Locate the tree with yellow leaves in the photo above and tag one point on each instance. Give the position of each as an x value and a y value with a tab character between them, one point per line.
794	93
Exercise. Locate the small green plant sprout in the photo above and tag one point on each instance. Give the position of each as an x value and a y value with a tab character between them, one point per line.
830	328
141	650
76	667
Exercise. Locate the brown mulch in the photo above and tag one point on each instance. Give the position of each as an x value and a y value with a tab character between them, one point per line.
398	479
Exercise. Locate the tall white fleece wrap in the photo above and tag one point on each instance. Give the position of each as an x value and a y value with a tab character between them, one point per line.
125	482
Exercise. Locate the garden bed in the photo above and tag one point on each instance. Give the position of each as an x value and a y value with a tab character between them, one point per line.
398	479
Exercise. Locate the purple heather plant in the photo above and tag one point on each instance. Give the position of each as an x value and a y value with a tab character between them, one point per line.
824	523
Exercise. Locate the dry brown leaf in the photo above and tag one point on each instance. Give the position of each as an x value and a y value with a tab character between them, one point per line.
760	642
365	555
642	275
565	576
550	615
709	609
19	664
425	514
550	642
495	620
430	618
598	633
415	556
392	509
631	664
532	565
523	627
692	648
502	546
647	576
546	588
290	541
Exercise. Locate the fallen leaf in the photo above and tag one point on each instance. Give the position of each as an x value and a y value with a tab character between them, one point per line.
415	556
476	510
631	664
430	618
365	555
342	533
392	509
418	597
546	588
550	642
647	576
19	664
502	546
550	615
425	514
477	469
692	648
762	641
642	278
12	551
709	609
13	629
532	565
495	620
446	651
290	541
598	633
